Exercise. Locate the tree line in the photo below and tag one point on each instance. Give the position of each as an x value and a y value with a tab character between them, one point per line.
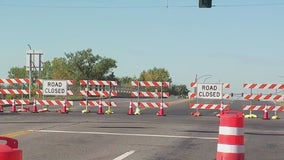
84	65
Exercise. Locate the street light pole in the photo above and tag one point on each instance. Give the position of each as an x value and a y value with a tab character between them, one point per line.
206	79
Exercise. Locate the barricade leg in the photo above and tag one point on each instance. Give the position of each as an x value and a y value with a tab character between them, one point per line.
137	111
109	111
275	116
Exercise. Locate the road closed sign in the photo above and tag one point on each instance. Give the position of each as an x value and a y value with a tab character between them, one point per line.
55	87
209	91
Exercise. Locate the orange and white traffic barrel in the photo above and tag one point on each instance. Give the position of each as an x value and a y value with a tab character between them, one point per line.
231	136
10	150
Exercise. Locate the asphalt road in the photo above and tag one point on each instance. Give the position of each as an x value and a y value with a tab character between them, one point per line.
176	136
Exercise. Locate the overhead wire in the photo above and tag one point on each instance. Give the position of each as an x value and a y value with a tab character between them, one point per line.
166	4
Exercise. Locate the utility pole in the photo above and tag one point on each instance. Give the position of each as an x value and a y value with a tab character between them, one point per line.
34	62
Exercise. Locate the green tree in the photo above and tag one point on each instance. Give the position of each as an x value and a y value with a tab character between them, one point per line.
126	81
60	69
180	90
155	74
17	72
84	65
47	70
56	69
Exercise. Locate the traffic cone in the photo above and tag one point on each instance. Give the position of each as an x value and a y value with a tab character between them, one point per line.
14	108
161	111
64	109
1	108
221	110
100	108
265	115
130	109
35	107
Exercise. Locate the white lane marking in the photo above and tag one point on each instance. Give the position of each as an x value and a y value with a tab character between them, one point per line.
126	134
121	157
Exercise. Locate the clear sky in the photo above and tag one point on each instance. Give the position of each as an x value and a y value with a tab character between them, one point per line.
237	41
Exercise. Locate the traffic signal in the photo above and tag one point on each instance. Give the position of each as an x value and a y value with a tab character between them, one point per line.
205	3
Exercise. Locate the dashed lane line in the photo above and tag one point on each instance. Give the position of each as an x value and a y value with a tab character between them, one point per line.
123	156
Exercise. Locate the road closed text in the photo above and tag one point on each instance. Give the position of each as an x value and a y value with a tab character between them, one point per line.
53	87
209	91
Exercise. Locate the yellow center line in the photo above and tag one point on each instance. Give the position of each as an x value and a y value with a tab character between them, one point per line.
16	134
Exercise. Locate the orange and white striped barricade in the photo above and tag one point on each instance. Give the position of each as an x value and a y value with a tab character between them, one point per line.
49	103
225	85
263	86
265	109
193	95
150	84
150	94
197	106
98	93
99	103
161	105
14	91
10	91
220	107
231	140
266	97
102	92
150	104
15	81
14	103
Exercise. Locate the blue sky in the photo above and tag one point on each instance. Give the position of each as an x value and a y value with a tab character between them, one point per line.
236	42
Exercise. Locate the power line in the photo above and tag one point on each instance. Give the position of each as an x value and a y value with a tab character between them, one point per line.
250	5
167	4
